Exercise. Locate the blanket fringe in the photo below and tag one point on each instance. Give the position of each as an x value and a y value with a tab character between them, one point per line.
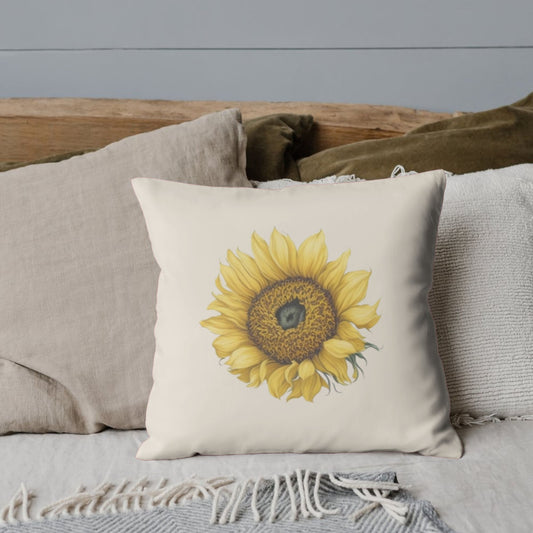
111	499
18	509
465	420
302	488
299	490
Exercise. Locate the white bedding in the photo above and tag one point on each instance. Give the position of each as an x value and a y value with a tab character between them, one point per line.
489	490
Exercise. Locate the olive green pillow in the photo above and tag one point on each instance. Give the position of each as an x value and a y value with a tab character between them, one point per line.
273	141
478	141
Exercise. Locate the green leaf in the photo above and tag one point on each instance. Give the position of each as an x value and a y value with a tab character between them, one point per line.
370	345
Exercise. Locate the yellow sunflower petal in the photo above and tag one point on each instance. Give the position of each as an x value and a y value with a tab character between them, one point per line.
284	252
233	281
306	369
291	371
347	332
242	373
311	387
363	316
226	344
277	384
332	274
318	363
352	290
264	260
249	263
338	348
233	301
220	287
236	315
219	325
246	357
332	365
312	255
266	368
254	380
355	373
244	276
296	390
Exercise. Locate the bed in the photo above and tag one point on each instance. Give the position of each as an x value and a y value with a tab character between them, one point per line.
489	490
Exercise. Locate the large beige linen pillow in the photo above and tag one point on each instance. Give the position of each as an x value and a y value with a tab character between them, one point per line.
295	320
78	280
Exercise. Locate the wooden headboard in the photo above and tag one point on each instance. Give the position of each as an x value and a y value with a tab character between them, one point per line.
33	128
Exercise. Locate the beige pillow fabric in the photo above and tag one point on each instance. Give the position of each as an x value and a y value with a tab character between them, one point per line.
78	280
295	320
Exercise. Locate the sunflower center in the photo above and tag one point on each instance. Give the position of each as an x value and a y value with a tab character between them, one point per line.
290	319
291	314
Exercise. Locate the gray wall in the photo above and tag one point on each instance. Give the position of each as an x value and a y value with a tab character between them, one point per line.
444	56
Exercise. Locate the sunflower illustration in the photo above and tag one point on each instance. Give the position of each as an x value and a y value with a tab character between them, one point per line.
289	317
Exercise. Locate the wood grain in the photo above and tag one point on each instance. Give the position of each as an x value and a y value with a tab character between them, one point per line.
34	128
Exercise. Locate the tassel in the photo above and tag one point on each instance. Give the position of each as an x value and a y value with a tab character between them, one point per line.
18	508
378	497
292	497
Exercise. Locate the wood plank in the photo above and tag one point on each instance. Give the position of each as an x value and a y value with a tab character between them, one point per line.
34	24
440	80
36	128
373	116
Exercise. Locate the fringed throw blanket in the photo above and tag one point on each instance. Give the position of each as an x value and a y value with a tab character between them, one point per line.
302	500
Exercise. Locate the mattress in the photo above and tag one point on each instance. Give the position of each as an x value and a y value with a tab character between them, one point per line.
490	489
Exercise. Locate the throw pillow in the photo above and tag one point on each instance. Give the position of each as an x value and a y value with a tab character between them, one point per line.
478	141
273	144
482	299
295	319
77	277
